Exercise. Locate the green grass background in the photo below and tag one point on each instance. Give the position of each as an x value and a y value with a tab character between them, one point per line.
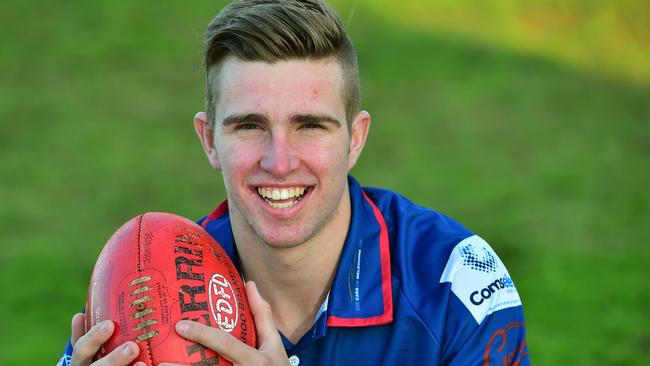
528	123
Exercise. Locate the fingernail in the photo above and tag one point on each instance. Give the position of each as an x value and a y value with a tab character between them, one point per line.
127	350
182	326
104	326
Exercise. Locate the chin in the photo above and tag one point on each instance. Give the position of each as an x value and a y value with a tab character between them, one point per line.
283	240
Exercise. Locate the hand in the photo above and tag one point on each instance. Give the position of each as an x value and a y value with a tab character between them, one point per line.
270	351
86	345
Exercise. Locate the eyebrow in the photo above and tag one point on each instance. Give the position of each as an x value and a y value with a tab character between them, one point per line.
241	118
296	119
311	118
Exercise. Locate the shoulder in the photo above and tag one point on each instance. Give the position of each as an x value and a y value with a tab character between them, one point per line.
419	236
434	256
397	209
454	281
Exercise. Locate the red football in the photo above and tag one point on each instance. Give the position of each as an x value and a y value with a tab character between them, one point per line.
157	269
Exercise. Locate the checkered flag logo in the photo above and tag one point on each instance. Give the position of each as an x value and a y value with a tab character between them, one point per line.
487	263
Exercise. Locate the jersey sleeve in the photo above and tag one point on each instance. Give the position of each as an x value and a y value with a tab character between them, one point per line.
485	321
67	355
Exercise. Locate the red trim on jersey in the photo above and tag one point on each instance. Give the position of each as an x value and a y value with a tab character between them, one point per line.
386	286
219	211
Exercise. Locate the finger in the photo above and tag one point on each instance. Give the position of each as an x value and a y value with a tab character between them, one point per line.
78	327
217	340
121	356
88	344
267	332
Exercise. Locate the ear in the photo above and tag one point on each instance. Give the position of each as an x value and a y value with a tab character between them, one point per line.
205	132
358	135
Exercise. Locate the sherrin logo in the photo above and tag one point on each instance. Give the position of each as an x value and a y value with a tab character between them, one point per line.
223	303
477	297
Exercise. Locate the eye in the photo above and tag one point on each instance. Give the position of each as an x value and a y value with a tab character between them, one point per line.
312	126
246	126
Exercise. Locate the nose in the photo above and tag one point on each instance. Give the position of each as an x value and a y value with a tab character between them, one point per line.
279	158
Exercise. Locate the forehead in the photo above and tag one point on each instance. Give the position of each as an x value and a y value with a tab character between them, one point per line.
291	86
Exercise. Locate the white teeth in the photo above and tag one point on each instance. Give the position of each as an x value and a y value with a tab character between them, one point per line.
283	204
274	194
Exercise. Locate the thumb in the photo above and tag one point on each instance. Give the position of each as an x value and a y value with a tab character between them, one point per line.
267	332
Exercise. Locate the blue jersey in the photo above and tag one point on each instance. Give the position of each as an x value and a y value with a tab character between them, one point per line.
412	287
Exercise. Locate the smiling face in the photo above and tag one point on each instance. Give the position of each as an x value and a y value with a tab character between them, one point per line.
282	143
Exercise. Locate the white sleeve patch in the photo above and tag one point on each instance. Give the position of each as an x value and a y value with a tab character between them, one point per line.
479	278
64	361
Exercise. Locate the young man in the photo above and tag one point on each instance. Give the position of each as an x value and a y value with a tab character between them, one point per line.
350	275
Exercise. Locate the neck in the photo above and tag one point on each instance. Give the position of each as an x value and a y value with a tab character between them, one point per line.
295	280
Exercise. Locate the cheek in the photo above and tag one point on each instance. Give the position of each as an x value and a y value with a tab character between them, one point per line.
329	157
238	158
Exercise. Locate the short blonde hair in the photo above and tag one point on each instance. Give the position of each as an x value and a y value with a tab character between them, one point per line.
274	30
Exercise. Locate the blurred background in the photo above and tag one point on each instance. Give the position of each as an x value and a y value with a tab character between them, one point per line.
529	122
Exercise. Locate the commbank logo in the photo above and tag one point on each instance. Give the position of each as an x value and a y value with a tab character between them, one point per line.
477	297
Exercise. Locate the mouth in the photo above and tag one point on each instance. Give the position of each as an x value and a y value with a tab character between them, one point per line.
282	197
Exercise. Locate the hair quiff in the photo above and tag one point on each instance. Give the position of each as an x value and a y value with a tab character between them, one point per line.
274	30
